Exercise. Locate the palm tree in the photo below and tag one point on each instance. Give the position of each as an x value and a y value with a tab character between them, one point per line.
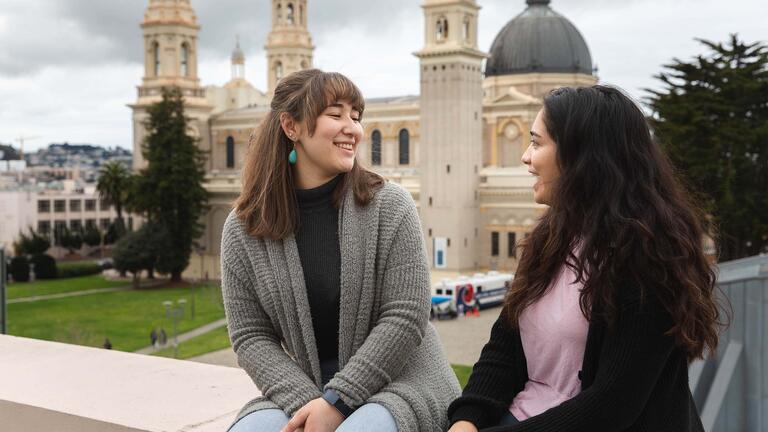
113	186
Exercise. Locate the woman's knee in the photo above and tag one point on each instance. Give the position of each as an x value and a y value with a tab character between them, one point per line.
268	420
370	418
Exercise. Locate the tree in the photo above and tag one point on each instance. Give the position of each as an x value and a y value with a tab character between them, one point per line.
711	116
113	185
92	236
133	253
169	192
32	244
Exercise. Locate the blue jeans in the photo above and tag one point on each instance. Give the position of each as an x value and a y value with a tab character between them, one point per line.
369	417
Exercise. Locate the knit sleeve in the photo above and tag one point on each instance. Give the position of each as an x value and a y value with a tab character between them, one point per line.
496	378
402	315
631	360
254	339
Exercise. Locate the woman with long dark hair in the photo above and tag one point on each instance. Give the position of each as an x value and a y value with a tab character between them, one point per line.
613	295
325	278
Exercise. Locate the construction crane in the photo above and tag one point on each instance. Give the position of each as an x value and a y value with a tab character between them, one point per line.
21	141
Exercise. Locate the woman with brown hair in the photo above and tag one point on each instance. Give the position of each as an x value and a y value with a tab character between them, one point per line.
613	295
325	278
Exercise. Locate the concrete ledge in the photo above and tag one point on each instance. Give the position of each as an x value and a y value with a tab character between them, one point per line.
55	386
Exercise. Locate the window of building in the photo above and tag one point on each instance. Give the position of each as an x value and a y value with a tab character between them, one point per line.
76	225
511	249
156	58
90	223
104	224
44	206
59	206
230	152
376	147
279	14
289	14
59	227
278	71
184	59
441	31
90	205
44	227
403	146
130	223
75	205
465	29
494	243
103	205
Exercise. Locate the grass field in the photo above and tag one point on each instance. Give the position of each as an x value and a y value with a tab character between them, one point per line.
462	373
125	317
203	344
57	286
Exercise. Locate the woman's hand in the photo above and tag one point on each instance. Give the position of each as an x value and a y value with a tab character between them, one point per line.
316	416
463	426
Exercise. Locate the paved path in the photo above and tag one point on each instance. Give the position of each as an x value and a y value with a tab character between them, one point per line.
462	339
183	337
80	293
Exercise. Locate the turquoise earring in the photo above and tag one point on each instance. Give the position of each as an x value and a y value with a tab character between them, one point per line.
292	155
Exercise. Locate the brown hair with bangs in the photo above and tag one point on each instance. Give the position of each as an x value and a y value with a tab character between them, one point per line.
267	203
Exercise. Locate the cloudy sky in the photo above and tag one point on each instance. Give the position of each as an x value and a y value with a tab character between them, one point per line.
69	67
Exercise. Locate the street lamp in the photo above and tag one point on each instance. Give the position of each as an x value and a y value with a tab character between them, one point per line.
175	312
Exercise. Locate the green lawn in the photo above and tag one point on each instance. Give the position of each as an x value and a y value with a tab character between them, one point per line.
203	344
125	317
57	286
462	373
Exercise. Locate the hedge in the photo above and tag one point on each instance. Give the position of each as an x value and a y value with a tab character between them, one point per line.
75	269
45	266
19	269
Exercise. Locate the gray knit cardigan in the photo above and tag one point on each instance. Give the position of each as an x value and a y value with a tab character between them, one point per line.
389	353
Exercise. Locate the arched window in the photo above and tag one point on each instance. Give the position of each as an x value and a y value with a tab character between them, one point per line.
403	146
278	71
376	147
230	152
279	14
304	65
442	29
289	14
156	57
302	19
465	29
184	59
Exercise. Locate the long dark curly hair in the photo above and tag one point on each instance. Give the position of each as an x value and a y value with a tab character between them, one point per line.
619	203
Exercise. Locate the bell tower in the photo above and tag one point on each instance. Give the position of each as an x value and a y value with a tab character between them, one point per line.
170	31
289	44
451	132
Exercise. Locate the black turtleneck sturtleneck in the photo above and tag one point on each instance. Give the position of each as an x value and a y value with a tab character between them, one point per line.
318	244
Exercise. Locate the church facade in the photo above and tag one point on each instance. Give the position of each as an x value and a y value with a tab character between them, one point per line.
456	146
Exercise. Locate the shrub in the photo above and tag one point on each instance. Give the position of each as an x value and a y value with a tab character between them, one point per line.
75	269
19	269
45	266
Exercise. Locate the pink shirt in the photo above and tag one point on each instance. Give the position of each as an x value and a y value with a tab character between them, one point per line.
554	333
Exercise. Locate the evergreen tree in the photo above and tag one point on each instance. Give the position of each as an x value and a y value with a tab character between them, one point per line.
711	116
113	184
170	190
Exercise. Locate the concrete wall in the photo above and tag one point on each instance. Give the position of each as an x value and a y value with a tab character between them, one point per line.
60	387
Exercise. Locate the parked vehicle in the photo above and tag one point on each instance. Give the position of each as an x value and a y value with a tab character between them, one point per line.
450	297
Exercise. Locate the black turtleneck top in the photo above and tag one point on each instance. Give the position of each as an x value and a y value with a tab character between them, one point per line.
320	254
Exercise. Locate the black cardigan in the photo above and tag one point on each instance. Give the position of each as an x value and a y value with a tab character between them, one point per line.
633	378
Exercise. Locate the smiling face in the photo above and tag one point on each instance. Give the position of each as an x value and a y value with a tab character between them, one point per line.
330	149
541	159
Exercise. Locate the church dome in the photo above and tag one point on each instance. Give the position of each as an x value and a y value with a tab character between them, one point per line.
539	40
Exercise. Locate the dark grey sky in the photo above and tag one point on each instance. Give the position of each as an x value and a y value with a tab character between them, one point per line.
69	67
